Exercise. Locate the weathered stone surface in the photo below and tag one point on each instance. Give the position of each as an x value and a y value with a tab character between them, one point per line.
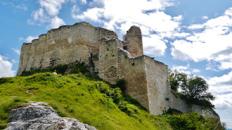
181	105
40	116
157	84
132	70
62	46
133	41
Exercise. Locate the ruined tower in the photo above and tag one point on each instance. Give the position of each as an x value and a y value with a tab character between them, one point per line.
133	41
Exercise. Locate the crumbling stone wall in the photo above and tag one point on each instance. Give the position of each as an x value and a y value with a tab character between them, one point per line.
108	60
181	105
157	85
105	55
133	42
132	70
62	46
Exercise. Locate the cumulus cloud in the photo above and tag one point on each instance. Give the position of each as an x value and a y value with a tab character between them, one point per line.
17	51
221	87
186	69
30	38
6	67
150	48
205	17
56	22
48	13
210	41
155	24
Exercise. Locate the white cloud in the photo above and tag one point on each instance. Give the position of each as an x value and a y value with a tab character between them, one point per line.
226	114
205	17
186	69
207	39
154	45
211	42
221	80
178	54
196	71
83	1
6	67
148	15
56	22
221	87
30	38
17	51
224	58
48	13
74	11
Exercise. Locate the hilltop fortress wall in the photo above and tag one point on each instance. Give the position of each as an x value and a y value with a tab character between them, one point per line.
108	57
62	46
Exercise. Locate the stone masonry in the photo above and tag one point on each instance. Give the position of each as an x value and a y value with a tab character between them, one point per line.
110	58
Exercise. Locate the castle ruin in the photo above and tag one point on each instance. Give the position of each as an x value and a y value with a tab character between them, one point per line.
109	57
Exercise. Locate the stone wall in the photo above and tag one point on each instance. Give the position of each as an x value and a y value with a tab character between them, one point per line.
179	104
133	41
64	45
132	70
108	60
157	85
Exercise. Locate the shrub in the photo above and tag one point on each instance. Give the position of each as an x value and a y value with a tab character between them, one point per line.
172	111
76	67
190	121
121	83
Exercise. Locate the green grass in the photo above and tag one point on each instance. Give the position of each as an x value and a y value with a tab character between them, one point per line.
90	101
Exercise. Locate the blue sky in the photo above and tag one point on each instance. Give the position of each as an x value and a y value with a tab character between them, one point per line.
193	36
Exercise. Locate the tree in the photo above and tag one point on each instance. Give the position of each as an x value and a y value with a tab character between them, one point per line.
192	88
177	80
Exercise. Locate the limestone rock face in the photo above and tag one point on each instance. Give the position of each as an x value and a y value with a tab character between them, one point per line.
40	116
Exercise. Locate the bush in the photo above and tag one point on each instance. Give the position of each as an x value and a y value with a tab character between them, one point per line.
191	121
121	83
171	111
76	67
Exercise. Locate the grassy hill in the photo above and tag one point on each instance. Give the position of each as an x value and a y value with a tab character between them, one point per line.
90	101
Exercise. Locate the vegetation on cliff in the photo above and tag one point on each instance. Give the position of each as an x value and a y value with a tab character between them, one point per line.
90	101
193	89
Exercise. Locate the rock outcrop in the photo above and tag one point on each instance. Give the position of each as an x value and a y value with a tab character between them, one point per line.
40	116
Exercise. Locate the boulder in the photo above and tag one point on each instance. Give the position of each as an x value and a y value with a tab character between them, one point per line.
40	116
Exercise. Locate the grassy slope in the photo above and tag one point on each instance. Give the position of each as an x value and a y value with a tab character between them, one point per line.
92	102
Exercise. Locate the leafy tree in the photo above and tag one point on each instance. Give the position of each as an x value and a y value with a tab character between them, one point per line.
192	88
177	80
